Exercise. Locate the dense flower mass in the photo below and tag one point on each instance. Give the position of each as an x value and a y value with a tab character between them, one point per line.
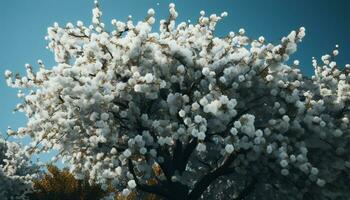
16	171
224	114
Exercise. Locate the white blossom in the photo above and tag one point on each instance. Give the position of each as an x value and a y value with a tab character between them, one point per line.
126	192
201	147
229	148
16	170
132	184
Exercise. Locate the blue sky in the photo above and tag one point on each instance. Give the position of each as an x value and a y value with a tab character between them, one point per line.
23	25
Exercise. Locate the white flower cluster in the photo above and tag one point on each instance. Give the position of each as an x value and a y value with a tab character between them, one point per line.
119	103
16	171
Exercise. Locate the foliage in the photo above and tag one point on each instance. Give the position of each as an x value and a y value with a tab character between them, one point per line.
61	185
16	170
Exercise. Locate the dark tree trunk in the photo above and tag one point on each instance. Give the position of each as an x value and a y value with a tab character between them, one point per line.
178	191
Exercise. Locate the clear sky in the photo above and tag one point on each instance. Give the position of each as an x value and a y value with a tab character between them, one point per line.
23	25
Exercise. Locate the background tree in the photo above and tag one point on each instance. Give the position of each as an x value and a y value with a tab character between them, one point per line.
213	113
59	184
16	171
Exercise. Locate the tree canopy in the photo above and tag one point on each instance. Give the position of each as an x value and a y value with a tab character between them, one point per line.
221	117
16	171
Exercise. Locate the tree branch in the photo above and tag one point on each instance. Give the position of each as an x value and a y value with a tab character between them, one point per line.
154	189
167	165
206	180
177	157
187	154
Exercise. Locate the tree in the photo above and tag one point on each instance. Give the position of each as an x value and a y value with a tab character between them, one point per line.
16	171
222	117
59	184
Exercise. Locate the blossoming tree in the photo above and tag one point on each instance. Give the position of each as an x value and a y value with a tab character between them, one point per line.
201	116
16	171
